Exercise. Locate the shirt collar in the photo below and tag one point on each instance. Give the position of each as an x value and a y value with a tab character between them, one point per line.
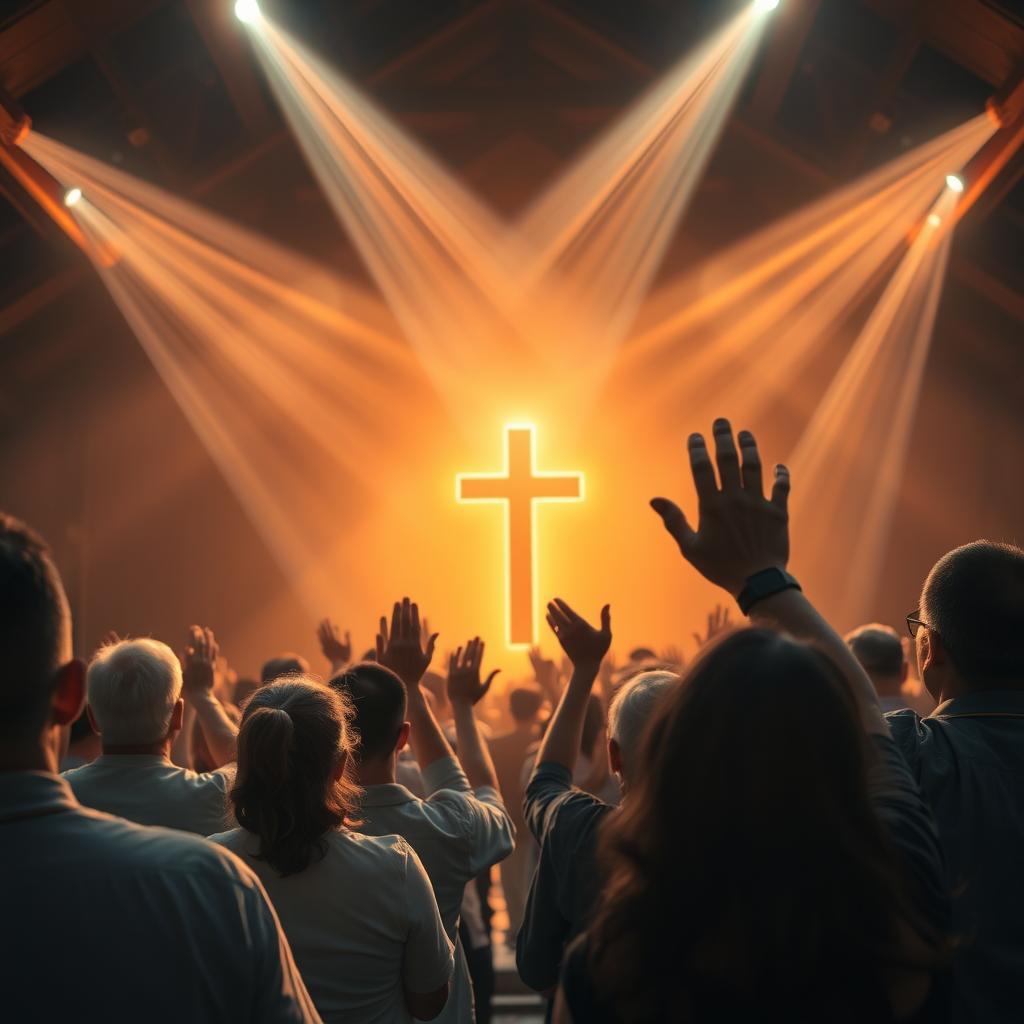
32	794
129	760
987	702
386	794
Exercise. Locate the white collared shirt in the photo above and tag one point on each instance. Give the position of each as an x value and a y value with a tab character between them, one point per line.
106	920
458	832
362	922
150	790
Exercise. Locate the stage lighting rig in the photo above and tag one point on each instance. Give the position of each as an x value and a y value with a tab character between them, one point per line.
15	124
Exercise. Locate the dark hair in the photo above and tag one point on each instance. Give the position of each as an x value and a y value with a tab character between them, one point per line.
294	731
283	665
378	700
748	874
33	618
525	703
878	648
974	599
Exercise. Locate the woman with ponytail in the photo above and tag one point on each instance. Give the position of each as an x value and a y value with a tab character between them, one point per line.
359	911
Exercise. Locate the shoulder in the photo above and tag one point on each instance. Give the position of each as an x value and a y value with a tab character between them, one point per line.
554	804
219	780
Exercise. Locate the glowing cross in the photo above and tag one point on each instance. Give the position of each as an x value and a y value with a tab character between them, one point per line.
520	487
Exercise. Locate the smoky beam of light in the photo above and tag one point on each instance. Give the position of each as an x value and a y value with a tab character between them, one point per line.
765	306
848	465
627	193
430	245
285	391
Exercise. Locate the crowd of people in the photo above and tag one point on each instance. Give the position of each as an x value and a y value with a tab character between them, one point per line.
793	826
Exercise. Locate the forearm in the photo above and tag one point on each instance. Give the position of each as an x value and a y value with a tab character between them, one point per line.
791	612
473	752
561	743
426	737
181	751
220	733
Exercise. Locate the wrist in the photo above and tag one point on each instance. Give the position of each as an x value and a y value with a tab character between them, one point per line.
763	585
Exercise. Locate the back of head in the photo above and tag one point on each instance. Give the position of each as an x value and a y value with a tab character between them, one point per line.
747	859
878	648
132	687
35	629
283	665
378	700
525	703
631	709
291	789
974	599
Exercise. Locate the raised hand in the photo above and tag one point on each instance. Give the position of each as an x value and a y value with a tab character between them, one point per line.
403	649
336	651
464	686
199	664
718	622
545	671
739	531
672	655
585	645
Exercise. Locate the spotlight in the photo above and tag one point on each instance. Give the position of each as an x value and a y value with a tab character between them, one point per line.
954	183
934	220
72	196
764	6
247	11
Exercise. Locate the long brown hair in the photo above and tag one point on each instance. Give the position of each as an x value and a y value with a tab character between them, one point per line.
294	734
748	875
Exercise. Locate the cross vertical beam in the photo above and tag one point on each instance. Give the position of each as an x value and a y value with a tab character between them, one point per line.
520	487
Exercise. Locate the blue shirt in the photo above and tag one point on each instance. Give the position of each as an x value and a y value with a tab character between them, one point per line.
101	919
565	823
968	758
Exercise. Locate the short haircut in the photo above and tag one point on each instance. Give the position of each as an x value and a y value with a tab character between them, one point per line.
974	599
283	665
378	702
132	687
525	703
35	629
631	709
878	648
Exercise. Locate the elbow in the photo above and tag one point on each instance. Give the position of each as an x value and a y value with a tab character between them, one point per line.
427	1005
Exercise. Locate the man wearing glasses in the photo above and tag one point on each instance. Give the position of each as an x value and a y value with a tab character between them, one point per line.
968	757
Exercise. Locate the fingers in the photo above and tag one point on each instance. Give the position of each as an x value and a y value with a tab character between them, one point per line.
487	684
567	611
725	456
751	464
606	619
675	522
396	623
780	489
429	653
414	623
382	639
556	617
700	466
348	639
453	660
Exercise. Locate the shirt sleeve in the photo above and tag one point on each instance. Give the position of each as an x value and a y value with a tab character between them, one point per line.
908	821
544	930
481	815
429	955
280	993
908	734
549	784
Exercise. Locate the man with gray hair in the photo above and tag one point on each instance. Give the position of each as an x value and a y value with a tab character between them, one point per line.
134	690
883	657
563	819
140	923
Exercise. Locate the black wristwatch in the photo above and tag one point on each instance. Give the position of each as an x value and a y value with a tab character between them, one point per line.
764	584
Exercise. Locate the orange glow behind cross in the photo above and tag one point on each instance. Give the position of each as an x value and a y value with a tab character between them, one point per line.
520	488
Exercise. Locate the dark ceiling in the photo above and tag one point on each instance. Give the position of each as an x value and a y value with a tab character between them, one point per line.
170	90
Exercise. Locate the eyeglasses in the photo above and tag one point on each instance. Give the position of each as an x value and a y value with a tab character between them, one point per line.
914	624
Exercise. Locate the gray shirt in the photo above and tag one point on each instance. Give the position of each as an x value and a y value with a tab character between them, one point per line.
457	832
106	920
150	790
